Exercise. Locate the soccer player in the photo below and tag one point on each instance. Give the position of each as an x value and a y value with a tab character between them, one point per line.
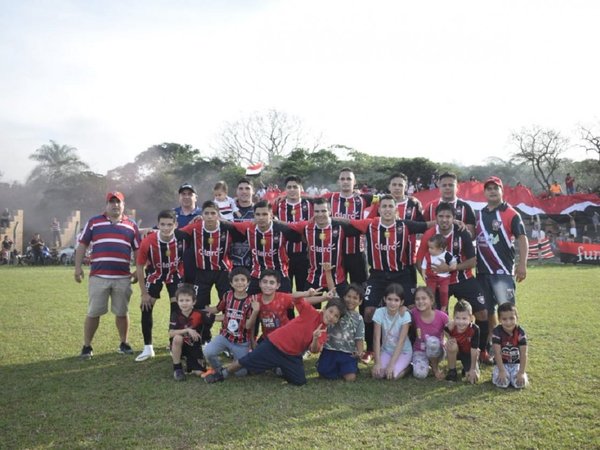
388	253
160	254
499	225
290	209
240	251
448	185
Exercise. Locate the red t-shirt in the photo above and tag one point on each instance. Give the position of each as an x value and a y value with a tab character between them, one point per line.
295	337
273	315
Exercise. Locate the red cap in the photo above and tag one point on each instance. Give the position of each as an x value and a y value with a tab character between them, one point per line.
115	194
497	181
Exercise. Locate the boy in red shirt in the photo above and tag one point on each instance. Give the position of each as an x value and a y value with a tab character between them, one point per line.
285	346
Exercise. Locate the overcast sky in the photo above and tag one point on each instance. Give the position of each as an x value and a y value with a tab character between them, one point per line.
448	80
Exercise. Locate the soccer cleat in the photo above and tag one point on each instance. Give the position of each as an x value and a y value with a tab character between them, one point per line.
367	357
452	375
146	354
215	377
485	358
86	352
125	349
178	375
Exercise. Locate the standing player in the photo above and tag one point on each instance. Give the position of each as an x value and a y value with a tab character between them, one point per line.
388	252
240	251
290	209
348	204
186	211
211	241
161	255
462	283
448	184
498	226
267	241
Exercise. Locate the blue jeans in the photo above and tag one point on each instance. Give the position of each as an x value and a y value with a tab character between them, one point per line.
220	343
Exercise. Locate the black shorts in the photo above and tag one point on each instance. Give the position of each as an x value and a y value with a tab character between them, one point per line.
194	356
155	288
298	270
356	267
465	359
205	280
470	291
379	281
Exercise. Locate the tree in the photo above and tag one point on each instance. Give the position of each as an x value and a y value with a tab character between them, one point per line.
591	141
541	149
55	162
262	137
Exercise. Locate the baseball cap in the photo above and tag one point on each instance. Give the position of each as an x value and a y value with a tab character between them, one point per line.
497	181
187	186
115	194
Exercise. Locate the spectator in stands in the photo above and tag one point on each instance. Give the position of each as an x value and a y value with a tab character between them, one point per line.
55	228
5	218
6	250
555	189
596	221
570	184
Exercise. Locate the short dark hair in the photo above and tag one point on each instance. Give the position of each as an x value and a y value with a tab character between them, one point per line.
387	197
448	175
356	288
270	273
320	201
186	289
244	180
394	288
239	270
167	214
337	303
345	169
507	307
295	178
445	206
221	186
398	175
209	204
261	204
463	306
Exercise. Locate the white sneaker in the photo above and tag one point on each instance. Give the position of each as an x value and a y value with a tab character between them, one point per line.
146	354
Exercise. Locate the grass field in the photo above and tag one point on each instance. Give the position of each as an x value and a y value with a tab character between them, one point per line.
51	399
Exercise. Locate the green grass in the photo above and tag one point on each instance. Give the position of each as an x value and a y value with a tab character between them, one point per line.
51	399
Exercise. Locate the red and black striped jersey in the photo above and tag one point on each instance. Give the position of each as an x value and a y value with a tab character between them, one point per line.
162	259
291	213
388	247
211	248
236	312
268	248
466	340
459	243
495	235
464	212
179	321
325	245
352	207
408	209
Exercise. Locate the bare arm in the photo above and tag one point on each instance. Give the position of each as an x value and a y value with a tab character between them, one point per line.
523	244
79	254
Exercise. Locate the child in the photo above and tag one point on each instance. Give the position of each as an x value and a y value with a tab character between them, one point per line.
429	326
390	341
510	349
160	254
344	346
185	330
227	205
438	281
285	346
236	329
463	343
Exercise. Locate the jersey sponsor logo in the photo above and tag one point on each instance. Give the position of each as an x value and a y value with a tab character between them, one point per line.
263	253
320	249
386	247
211	253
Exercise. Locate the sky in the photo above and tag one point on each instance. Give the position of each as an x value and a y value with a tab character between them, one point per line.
446	80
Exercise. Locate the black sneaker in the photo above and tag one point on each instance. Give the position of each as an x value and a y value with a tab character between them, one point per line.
178	375
86	352
215	377
125	349
452	375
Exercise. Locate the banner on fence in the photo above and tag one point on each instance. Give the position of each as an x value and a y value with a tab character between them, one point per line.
540	249
578	253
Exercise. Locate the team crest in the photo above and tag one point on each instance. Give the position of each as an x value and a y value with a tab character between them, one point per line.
334	234
408	212
496	225
304	207
322	236
455	244
276	240
210	241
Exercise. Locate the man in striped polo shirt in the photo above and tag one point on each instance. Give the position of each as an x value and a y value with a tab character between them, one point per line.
113	237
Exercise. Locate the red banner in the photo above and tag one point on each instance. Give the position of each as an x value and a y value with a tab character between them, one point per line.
577	253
